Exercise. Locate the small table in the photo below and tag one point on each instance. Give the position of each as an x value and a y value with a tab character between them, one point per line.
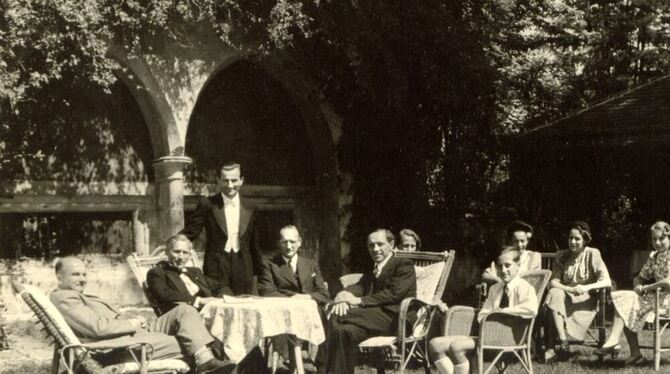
242	323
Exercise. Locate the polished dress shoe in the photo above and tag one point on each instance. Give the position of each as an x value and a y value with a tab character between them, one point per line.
215	366
635	360
563	352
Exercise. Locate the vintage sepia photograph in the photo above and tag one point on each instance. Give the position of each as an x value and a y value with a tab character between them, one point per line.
334	186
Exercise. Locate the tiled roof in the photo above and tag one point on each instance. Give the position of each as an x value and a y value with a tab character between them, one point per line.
640	115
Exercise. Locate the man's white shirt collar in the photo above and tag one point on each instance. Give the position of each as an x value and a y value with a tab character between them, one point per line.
511	283
234	201
292	262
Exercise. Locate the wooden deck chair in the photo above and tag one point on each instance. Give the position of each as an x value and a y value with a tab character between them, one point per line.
499	332
78	357
140	265
433	270
660	325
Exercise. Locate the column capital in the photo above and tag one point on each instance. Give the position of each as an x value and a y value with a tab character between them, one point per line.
183	160
170	167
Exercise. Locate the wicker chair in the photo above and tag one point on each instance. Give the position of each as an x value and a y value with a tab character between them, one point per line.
599	324
498	331
432	273
660	325
78	357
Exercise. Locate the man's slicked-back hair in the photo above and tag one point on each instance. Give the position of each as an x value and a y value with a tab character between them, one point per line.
290	227
177	238
230	165
389	235
516	254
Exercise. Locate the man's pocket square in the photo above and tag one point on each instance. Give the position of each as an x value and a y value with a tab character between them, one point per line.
313	275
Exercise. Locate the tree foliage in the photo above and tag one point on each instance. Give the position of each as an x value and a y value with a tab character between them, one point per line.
426	89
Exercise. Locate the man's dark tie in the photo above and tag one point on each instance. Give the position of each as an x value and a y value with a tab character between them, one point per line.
504	300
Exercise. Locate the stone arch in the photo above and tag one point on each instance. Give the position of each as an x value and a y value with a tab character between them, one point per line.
320	204
158	115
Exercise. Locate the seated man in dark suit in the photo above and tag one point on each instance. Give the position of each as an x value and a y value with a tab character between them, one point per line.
371	306
288	274
173	285
178	333
172	282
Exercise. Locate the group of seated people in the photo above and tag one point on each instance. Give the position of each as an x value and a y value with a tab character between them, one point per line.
570	305
371	306
368	308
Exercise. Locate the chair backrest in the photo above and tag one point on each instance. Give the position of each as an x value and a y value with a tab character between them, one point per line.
48	315
538	279
432	272
140	265
54	324
548	259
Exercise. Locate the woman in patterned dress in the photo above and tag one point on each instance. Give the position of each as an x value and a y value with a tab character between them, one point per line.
576	271
519	233
632	307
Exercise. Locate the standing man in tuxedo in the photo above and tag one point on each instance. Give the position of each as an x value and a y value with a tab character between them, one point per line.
371	306
231	257
288	274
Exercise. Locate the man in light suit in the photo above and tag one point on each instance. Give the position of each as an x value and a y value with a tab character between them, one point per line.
231	256
371	306
288	274
179	333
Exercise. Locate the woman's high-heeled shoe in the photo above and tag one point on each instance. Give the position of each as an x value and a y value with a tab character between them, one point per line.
604	351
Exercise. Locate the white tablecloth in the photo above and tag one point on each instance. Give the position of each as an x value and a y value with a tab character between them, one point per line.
241	326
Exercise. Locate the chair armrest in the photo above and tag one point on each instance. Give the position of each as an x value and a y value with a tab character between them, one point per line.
504	329
421	326
460	320
68	354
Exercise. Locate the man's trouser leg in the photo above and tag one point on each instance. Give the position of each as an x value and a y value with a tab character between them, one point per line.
185	323
346	332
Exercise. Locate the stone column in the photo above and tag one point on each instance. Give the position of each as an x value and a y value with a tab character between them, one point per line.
169	195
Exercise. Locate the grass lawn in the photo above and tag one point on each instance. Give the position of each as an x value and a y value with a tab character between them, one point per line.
33	355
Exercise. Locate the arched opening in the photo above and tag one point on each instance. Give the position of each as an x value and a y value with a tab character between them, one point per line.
244	115
79	195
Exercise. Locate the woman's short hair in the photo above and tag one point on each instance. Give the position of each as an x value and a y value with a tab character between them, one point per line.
519	226
583	228
661	226
412	234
